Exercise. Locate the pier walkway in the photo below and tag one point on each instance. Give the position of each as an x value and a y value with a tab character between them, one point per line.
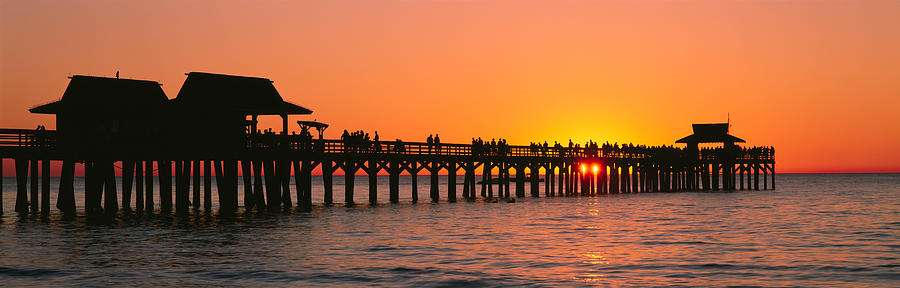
267	161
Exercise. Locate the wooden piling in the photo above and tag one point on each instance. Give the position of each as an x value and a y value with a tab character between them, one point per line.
273	186
230	202
181	193
45	186
434	168
247	175
414	177
520	180
259	195
127	182
327	171
755	176
349	182
148	175
139	186
110	203
165	185
548	180
373	180
394	181
284	177
34	185
195	173
451	181
207	185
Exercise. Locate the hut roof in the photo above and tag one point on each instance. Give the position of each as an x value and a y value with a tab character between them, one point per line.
710	133
313	124
247	95
92	94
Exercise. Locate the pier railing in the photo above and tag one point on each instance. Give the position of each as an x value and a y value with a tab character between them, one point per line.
27	138
46	139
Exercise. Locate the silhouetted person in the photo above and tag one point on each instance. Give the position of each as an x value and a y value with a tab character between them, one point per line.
430	141
437	143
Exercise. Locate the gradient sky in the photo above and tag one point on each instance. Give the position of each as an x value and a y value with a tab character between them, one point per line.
819	80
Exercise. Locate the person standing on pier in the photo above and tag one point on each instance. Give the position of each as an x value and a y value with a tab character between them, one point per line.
437	143
430	142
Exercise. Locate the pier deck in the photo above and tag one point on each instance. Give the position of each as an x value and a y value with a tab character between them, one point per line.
268	160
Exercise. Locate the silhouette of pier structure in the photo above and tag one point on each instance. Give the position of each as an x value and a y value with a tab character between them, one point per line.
209	131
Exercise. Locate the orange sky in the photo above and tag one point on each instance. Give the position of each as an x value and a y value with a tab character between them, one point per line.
820	80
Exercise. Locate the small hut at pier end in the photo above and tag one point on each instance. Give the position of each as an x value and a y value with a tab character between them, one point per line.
212	110
107	115
710	133
712	161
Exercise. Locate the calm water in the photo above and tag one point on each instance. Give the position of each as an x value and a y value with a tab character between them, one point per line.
815	230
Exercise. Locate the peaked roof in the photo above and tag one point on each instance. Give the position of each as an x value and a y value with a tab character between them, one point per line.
92	94
710	133
248	95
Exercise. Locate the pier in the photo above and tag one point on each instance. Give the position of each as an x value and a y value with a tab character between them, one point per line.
209	133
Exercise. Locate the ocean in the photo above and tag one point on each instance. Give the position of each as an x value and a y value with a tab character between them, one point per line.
815	230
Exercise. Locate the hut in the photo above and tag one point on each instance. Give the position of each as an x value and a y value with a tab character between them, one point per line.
213	108
710	133
100	115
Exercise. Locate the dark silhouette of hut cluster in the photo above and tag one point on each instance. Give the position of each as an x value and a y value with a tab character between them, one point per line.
210	128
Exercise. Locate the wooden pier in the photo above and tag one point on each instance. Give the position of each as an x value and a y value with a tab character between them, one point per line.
209	131
269	160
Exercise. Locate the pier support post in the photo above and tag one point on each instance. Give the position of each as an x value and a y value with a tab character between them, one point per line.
247	176
110	204
434	169
148	177
773	176
535	177
284	177
127	183
259	195
349	182
195	172
327	184
520	180
561	181
485	177
207	185
466	179
231	182
66	198
414	177
45	187
373	180
451	181
165	186
548	180
394	181
765	177
181	193
273	186
505	181
35	169
138	186
303	181
756	176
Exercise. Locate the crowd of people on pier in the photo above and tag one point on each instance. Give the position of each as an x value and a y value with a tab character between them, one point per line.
360	142
493	148
756	152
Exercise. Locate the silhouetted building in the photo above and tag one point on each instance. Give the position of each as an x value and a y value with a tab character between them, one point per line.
212	110
107	115
710	133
